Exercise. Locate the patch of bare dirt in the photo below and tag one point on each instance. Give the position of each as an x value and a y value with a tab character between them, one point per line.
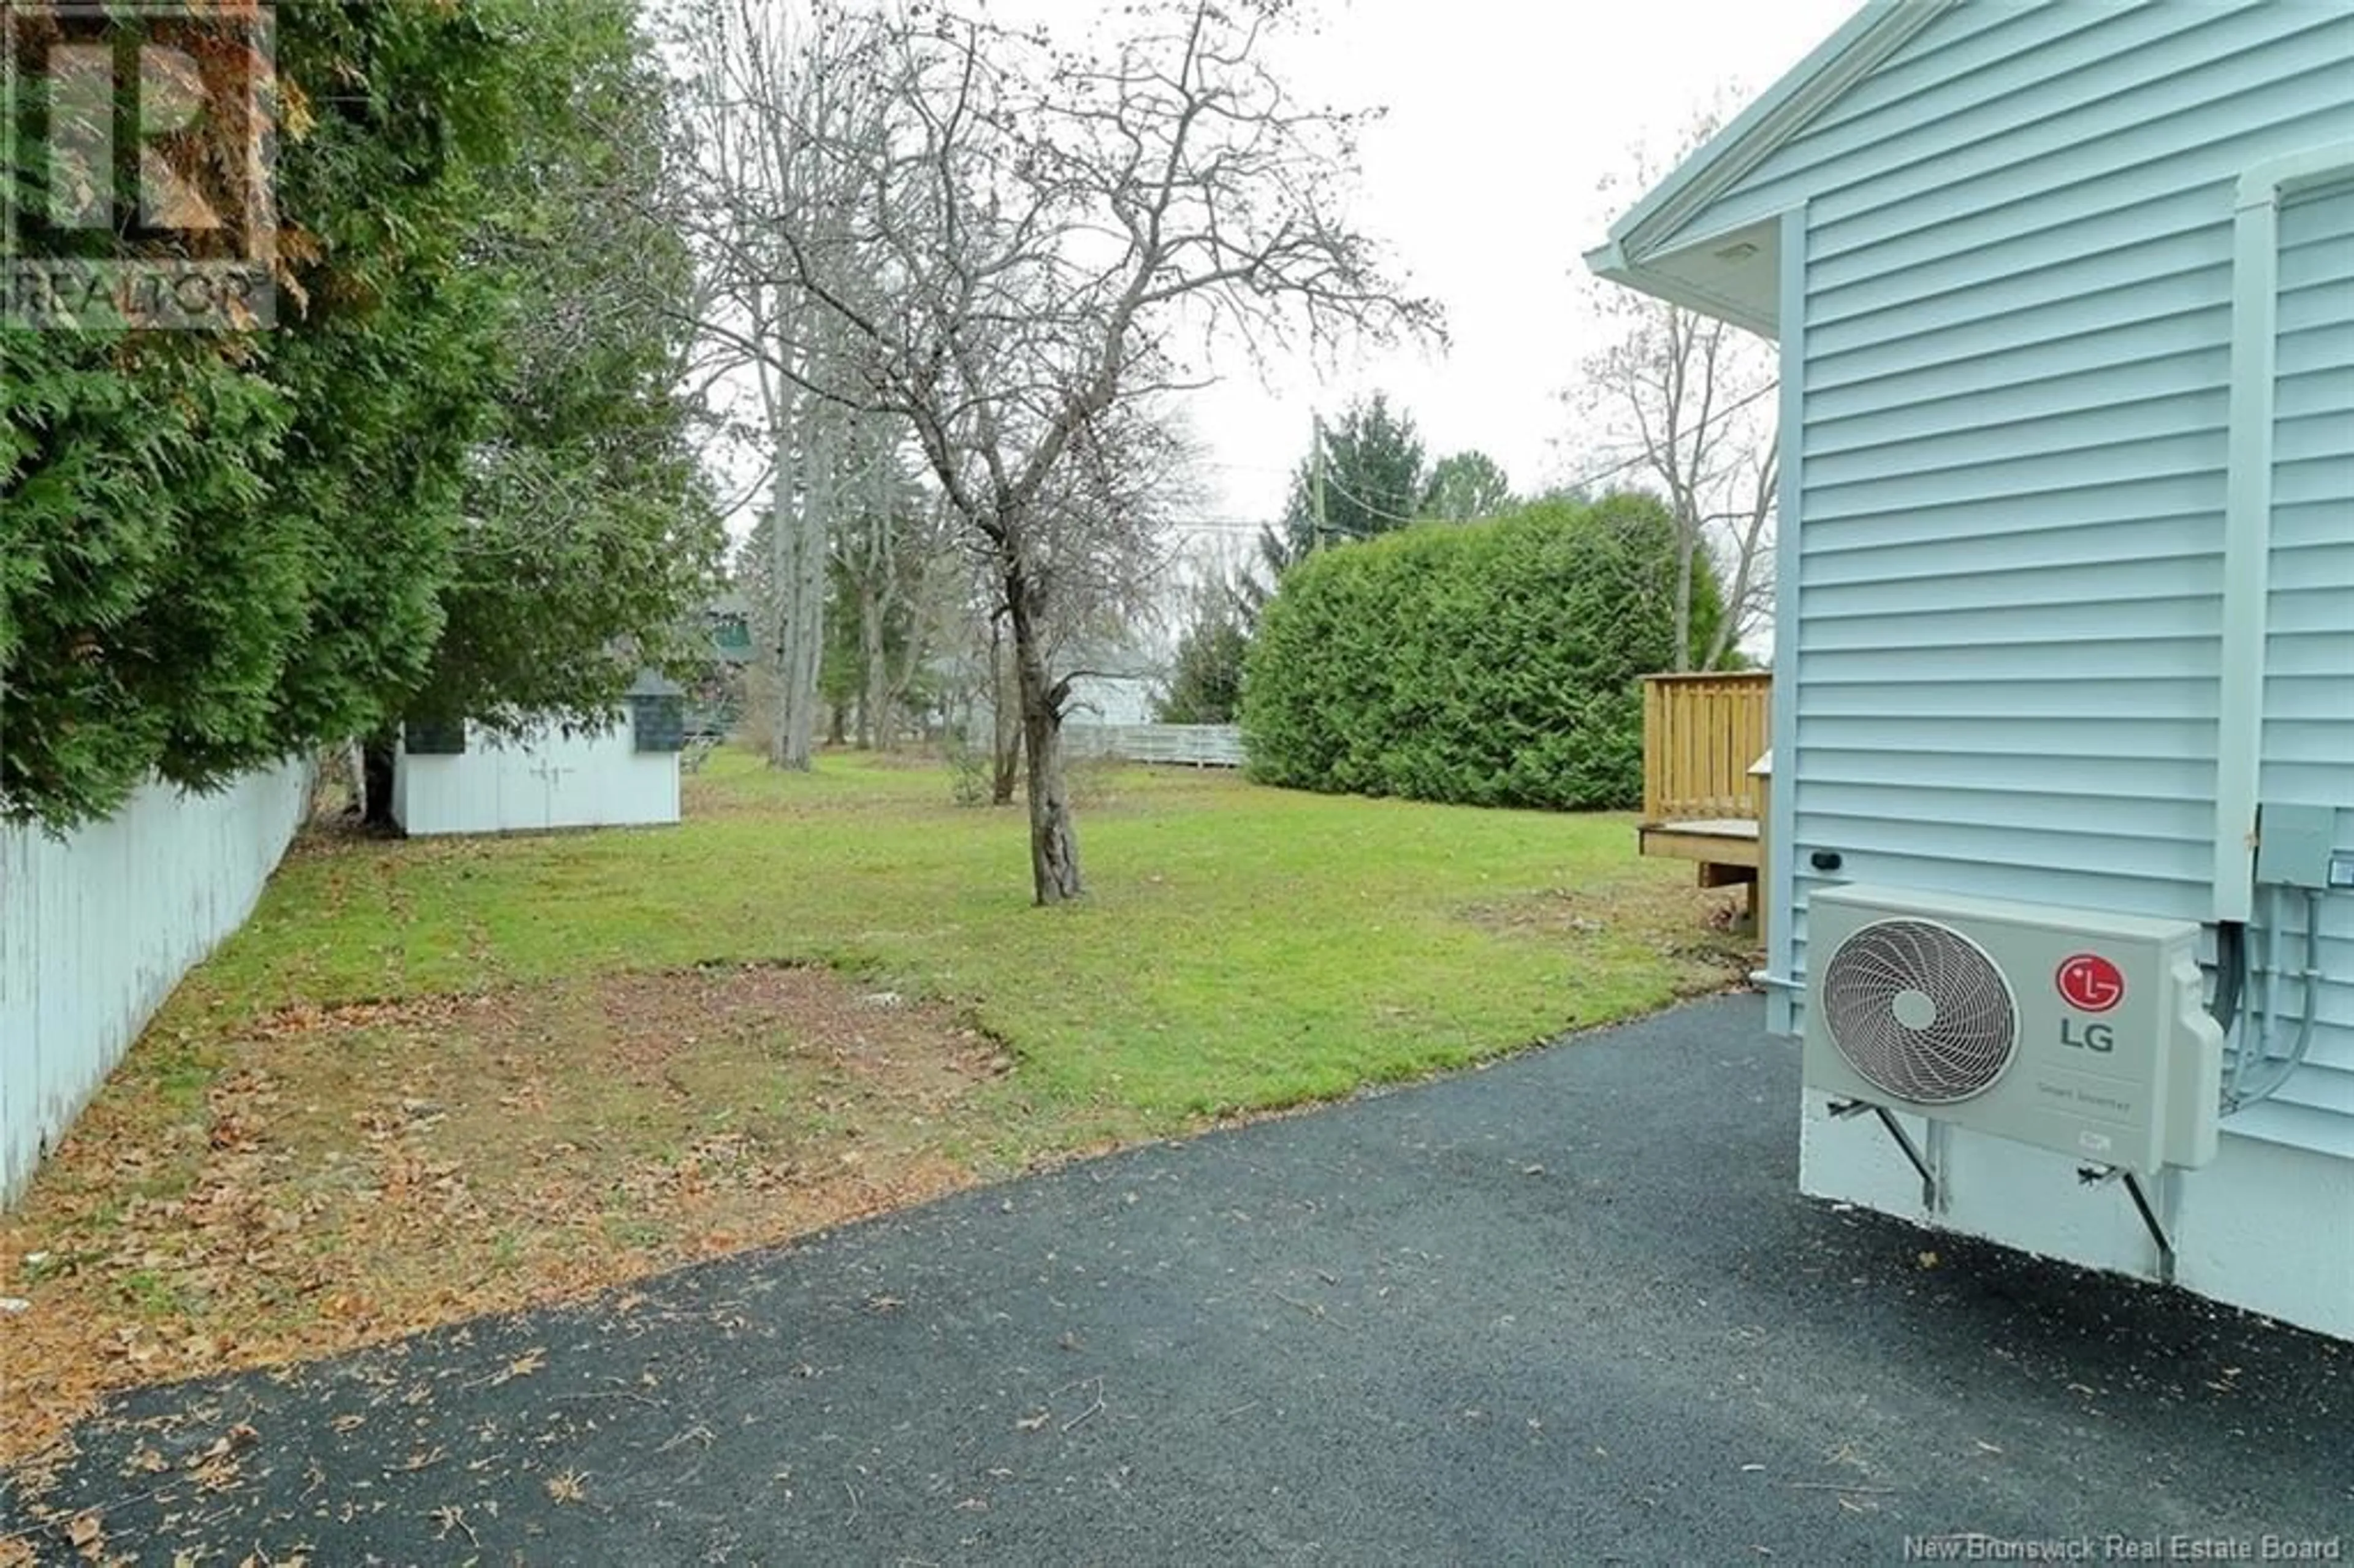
1699	931
335	1177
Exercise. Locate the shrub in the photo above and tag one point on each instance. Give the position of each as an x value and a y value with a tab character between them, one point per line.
968	771
1492	664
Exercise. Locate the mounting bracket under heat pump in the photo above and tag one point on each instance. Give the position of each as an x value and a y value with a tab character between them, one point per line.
1932	1184
2076	1031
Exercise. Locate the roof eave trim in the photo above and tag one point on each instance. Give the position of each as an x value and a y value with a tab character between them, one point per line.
1706	301
1861	44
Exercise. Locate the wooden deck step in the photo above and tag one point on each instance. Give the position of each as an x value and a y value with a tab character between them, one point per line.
1714	841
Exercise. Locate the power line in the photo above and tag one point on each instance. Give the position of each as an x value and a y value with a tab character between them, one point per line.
1367	507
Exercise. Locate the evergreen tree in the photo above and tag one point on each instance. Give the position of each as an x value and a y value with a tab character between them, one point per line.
1363	477
219	550
1206	681
1464	488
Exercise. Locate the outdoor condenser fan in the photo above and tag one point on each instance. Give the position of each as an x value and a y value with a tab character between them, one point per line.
1920	1012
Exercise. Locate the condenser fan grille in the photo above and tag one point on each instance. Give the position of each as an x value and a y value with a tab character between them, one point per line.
1919	1010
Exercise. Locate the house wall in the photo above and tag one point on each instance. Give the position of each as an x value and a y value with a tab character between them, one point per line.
97	928
546	779
2011	330
1110	700
2262	1228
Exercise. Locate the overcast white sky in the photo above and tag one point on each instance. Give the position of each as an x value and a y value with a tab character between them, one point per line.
1504	118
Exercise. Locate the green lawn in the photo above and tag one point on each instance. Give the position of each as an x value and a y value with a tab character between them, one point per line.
1240	948
434	1080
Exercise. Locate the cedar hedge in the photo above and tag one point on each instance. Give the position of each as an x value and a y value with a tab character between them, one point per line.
1493	663
222	548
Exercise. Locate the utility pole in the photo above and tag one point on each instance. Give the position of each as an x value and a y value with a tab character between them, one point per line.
1316	485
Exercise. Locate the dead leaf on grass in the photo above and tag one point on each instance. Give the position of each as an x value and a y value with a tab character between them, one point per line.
369	1161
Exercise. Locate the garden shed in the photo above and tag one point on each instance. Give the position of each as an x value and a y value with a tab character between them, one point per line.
463	778
2064	300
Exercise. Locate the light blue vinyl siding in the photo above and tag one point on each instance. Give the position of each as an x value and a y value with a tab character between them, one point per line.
2015	349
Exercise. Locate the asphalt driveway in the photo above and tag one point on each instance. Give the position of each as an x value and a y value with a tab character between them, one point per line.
1568	1310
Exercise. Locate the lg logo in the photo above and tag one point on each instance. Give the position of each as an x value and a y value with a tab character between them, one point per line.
2089	983
2097	1037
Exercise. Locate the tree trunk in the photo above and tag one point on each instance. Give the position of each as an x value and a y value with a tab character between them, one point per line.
1686	547
781	579
1054	838
376	762
1005	715
875	705
799	534
875	601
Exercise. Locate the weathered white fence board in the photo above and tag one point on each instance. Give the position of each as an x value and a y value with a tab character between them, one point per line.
1191	745
97	928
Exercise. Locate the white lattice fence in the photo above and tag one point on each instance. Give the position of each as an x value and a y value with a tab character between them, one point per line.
1186	744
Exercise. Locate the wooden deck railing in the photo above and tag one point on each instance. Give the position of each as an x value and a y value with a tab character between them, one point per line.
1700	732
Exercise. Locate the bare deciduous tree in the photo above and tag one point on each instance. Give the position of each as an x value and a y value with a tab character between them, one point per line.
770	92
1685	403
898	575
1692	397
1026	238
1103	544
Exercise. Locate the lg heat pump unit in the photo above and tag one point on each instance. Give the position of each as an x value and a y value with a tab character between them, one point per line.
2071	1030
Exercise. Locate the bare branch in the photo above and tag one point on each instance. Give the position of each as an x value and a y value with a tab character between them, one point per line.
995	240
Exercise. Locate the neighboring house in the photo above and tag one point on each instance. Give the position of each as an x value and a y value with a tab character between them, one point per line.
464	780
1110	687
714	700
2064	295
728	617
1114	682
1114	692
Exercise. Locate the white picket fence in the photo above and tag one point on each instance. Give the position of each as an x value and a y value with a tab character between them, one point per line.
1187	745
97	928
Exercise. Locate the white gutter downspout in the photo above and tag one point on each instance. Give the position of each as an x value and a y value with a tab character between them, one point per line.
2248	515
